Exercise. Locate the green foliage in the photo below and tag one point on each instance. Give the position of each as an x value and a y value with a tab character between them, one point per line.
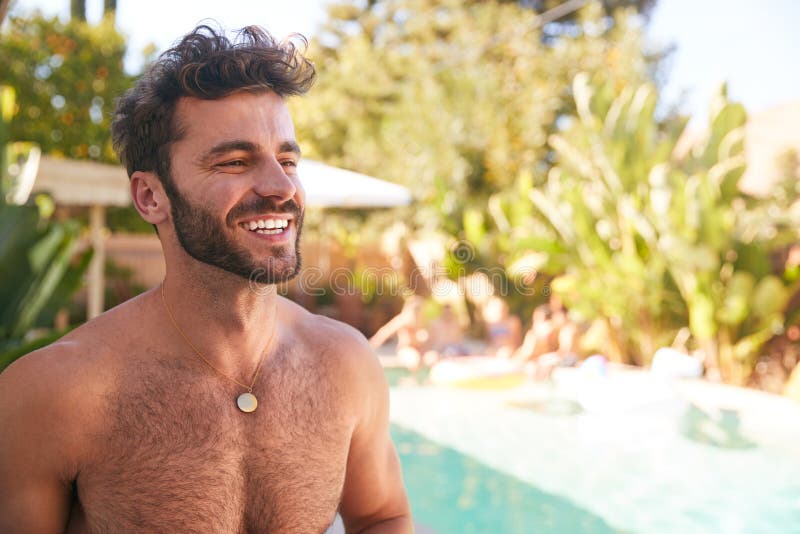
454	99
127	220
37	271
652	237
7	105
66	77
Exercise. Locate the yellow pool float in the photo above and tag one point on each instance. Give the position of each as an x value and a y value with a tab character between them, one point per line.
477	372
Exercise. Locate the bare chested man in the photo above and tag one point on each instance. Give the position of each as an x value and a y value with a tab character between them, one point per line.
208	404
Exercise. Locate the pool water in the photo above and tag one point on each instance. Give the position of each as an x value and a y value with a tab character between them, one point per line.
452	492
587	455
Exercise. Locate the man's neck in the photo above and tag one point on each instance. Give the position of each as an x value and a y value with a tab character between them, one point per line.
229	321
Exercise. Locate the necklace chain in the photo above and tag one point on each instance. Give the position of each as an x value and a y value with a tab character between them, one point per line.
186	339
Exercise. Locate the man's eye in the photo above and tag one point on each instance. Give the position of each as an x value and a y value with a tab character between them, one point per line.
234	163
289	163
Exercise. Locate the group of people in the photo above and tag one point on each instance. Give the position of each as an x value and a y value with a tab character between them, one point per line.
551	339
420	343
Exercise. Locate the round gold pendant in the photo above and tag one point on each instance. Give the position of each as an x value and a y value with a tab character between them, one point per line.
247	402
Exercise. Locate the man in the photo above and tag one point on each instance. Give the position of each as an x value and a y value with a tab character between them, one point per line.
207	404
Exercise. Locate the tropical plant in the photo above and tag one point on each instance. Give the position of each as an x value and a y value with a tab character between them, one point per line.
647	230
38	268
38	277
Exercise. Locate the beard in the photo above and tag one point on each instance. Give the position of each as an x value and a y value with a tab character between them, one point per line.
204	238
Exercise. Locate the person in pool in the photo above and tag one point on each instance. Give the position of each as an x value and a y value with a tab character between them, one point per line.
413	336
209	403
503	330
448	334
542	337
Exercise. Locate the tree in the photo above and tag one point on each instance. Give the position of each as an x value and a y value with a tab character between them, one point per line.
77	10
455	99
66	77
3	9
609	6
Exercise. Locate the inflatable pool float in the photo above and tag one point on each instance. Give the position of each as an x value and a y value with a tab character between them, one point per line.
477	372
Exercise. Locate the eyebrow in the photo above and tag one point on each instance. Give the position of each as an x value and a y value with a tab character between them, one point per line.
229	146
290	146
247	146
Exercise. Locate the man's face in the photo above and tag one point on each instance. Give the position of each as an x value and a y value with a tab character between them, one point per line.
236	200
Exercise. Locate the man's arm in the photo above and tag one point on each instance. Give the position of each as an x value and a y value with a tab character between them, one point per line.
374	498
34	483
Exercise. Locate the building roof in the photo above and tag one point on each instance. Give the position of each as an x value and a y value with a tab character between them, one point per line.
769	135
82	183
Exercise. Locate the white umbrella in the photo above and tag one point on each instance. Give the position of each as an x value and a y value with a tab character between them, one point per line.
331	187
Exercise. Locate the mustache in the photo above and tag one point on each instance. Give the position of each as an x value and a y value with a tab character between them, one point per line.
261	205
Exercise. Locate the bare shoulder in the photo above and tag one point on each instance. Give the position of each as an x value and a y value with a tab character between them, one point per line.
337	344
57	392
73	362
50	412
57	379
44	411
326	333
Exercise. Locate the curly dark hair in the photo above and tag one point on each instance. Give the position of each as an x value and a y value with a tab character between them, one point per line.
204	64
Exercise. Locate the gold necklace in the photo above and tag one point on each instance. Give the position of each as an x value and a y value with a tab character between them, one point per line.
247	402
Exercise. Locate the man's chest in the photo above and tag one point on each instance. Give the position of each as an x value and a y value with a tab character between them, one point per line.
185	459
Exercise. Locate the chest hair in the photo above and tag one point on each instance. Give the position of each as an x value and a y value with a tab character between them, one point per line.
177	455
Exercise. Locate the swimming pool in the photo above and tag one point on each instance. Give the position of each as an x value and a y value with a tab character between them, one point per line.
622	453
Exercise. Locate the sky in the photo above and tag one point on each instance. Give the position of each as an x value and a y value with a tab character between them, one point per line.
751	44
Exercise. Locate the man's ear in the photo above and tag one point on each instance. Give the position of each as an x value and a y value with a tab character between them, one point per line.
149	197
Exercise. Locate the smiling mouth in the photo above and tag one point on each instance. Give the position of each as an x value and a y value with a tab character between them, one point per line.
266	226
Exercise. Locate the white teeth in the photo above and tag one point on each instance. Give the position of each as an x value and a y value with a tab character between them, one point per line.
268	232
267	224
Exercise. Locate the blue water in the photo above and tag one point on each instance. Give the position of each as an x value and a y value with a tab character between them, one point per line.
502	462
451	492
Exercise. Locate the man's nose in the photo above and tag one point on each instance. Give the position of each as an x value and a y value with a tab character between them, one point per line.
272	181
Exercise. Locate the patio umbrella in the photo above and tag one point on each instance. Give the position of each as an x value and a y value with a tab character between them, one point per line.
332	187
